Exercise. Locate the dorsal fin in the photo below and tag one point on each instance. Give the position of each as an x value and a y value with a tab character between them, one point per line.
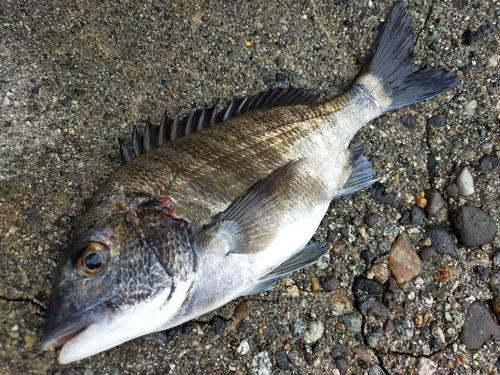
171	128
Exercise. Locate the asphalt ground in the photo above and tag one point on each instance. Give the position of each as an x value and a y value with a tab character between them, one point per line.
75	76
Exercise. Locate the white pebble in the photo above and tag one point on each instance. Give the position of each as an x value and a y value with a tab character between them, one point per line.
314	332
470	107
465	182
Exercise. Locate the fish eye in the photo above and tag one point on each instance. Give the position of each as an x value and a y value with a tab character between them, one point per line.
92	259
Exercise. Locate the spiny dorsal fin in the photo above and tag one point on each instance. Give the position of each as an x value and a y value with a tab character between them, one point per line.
171	128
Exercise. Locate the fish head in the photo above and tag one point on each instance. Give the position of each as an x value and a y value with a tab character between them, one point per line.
121	279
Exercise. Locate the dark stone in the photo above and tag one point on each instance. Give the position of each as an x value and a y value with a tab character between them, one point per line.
435	202
339	350
379	195
441	240
427	253
143	109
408	121
330	284
473	226
337	81
344	232
29	211
331	236
281	78
391	283
417	215
479	327
488	163
35	90
371	219
342	365
483	272
35	220
376	370
405	218
378	310
348	24
218	325
164	83
368	285
431	162
368	257
437	121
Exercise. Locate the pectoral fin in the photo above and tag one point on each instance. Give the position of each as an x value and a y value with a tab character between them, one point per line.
250	222
304	258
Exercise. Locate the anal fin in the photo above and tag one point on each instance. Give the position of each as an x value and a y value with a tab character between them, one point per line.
361	175
307	256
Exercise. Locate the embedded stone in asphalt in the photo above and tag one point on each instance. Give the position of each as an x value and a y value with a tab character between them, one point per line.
404	262
473	226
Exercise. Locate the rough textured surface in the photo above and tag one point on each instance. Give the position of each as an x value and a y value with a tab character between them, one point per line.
473	226
479	327
75	76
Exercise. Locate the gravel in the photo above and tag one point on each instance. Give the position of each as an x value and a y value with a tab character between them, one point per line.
75	76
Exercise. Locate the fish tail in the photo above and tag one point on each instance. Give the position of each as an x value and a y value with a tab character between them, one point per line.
390	75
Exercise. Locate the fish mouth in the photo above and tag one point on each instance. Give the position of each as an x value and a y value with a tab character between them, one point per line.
50	343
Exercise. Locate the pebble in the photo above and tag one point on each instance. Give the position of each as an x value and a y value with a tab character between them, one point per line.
425	366
298	327
437	121
218	325
315	285
380	272
261	364
371	219
376	370
479	327
373	339
427	253
408	121
314	332
353	322
295	357
282	362
452	190
473	226
367	285
435	202
441	240
368	257
324	262
388	324
417	215
243	348
241	312
340	301
470	107
292	291
488	163
404	328
465	182
29	340
342	365
404	262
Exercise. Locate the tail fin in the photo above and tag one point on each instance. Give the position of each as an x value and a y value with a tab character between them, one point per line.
390	61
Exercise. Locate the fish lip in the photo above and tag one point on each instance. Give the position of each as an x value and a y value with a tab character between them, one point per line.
61	328
57	338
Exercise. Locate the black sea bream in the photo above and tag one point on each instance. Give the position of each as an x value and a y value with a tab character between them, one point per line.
222	203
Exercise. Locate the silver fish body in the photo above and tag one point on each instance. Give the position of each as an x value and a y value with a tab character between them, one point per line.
224	211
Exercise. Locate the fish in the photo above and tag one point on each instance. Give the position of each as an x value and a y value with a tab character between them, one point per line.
223	202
